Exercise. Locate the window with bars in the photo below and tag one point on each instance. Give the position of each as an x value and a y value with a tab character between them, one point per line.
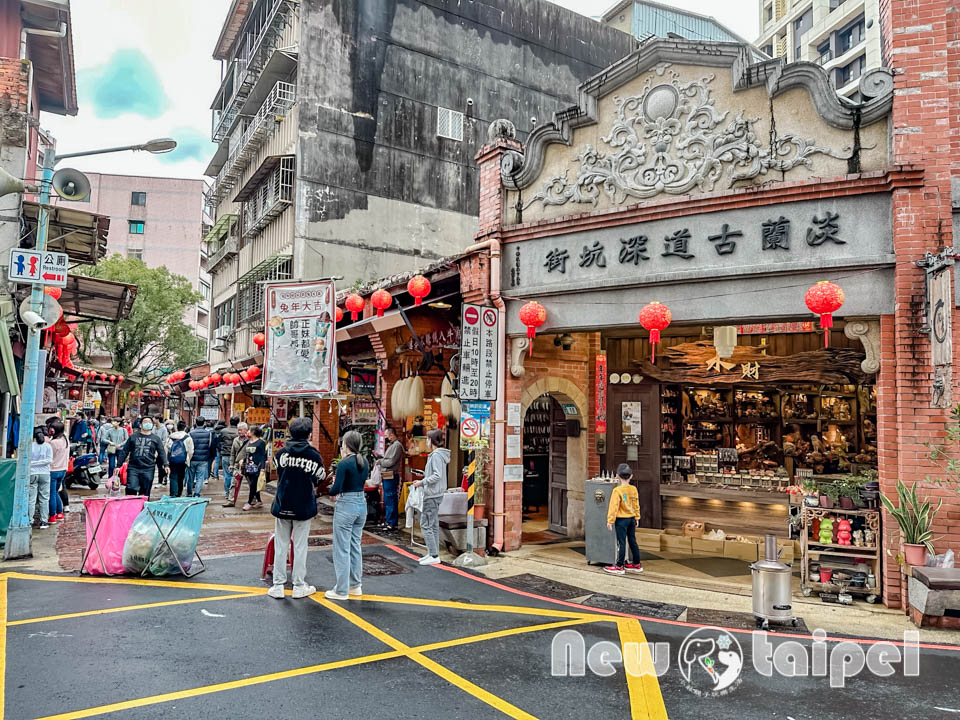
252	293
450	124
224	314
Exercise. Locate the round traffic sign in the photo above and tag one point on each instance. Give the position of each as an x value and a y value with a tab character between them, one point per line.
471	315
470	428
489	318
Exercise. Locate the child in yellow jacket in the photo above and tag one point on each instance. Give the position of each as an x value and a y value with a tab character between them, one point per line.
623	515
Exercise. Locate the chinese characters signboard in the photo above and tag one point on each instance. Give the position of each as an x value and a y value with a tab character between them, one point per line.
601	394
474	425
300	354
479	352
29	266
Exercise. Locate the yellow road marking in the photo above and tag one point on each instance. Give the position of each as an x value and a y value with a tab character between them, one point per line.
128	608
515	609
646	701
220	687
131	581
456	642
3	644
456	680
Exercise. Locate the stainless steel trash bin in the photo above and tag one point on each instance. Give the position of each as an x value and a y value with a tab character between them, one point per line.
772	601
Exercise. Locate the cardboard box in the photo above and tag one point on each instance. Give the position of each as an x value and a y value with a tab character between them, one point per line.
740	550
676	543
707	547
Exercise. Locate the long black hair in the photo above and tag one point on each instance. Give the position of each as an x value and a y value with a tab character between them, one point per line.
354	443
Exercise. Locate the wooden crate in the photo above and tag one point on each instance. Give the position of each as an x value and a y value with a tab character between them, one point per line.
747	551
707	547
649	538
676	543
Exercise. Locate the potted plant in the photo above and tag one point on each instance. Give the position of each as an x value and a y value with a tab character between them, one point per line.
481	480
829	495
849	491
915	518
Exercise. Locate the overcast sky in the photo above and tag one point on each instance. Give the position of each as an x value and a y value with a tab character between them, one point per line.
144	70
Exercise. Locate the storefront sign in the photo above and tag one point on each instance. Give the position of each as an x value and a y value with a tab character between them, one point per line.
631	418
279	438
364	412
300	354
776	328
363	381
600	392
474	425
258	416
479	356
569	409
238	408
210	413
280	409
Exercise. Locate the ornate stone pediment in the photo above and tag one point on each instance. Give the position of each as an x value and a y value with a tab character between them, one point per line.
678	117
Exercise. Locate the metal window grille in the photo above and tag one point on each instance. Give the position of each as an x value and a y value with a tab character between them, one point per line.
278	267
271	198
450	124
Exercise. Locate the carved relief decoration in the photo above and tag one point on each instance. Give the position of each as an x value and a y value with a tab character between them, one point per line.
671	139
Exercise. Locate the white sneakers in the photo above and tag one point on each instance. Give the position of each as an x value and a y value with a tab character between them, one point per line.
356	591
302	591
276	591
430	560
334	595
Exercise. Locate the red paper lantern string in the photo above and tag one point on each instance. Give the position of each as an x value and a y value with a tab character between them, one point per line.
655	318
53	292
355	306
824	299
339	314
533	315
381	300
259	339
419	288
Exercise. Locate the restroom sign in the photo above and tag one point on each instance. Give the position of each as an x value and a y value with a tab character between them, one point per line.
31	266
479	352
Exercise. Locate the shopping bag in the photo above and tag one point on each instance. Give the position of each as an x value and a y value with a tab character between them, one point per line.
374	479
179	520
261	480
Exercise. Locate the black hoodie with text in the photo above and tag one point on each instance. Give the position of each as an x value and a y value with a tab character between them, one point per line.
299	470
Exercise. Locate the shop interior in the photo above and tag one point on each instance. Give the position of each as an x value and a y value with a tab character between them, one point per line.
545	431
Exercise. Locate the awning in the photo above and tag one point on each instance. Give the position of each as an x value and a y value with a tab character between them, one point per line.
53	75
254	182
81	235
220	228
8	377
96	299
262	270
218	160
370	326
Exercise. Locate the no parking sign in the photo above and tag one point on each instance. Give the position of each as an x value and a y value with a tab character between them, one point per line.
474	425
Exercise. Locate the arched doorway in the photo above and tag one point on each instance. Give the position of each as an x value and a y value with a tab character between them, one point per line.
544	470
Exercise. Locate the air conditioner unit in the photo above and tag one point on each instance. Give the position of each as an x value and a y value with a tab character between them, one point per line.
219	346
222	333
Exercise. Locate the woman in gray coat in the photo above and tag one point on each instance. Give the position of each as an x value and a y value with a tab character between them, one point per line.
434	484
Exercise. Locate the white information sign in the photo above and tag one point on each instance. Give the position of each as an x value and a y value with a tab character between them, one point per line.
514	447
479	352
513	473
513	414
30	266
300	356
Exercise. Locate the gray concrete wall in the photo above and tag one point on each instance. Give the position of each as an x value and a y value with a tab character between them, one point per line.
378	191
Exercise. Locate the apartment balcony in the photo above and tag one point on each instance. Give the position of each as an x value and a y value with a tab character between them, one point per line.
268	193
256	48
227	250
263	124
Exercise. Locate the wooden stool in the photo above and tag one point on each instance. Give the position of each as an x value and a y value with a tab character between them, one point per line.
268	556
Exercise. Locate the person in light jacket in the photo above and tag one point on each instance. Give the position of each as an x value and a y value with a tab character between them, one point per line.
41	458
434	484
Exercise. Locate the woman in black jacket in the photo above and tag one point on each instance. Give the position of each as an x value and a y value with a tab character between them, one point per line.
299	471
254	461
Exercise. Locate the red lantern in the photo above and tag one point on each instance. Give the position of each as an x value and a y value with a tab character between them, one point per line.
254	372
655	317
354	305
103	377
419	288
74	393
133	393
259	339
245	375
824	299
216	378
533	315
53	292
140	393
119	378
167	393
381	300
113	379
339	314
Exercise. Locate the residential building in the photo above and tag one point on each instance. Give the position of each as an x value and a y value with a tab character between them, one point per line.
157	220
645	19
347	138
843	36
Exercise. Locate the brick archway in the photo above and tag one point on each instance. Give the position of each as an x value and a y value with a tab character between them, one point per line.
565	391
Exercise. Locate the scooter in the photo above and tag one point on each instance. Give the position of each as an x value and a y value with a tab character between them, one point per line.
86	469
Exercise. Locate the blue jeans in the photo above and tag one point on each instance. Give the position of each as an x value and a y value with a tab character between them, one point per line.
349	515
111	463
199	472
390	499
56	482
227	475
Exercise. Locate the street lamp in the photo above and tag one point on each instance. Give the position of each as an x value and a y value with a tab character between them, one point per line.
18	542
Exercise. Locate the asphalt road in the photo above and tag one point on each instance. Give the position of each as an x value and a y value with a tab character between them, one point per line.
425	642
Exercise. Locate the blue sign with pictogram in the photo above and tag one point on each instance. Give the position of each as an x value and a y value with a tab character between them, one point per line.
30	266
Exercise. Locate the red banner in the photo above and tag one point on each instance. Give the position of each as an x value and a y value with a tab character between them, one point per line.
601	394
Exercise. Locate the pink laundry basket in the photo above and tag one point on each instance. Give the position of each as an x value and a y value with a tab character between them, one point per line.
109	520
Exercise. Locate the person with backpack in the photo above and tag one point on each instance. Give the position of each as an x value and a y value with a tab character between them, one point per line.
299	471
145	455
204	451
224	448
179	454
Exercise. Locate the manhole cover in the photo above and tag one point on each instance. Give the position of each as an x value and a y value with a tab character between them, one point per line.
739	621
376	565
662	611
317	541
543	586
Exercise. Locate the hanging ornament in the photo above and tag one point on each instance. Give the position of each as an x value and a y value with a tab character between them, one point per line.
259	339
53	292
339	314
133	393
254	372
381	300
824	299
216	378
74	393
119	378
655	318
140	393
355	306
103	377
113	379
245	376
419	288
167	393
533	315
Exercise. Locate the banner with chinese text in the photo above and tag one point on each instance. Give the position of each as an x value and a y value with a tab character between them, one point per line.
300	356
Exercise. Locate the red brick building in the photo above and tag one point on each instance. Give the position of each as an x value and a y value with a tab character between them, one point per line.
724	189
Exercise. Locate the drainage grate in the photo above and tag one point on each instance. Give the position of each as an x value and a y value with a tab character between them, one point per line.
662	611
542	586
739	621
377	565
